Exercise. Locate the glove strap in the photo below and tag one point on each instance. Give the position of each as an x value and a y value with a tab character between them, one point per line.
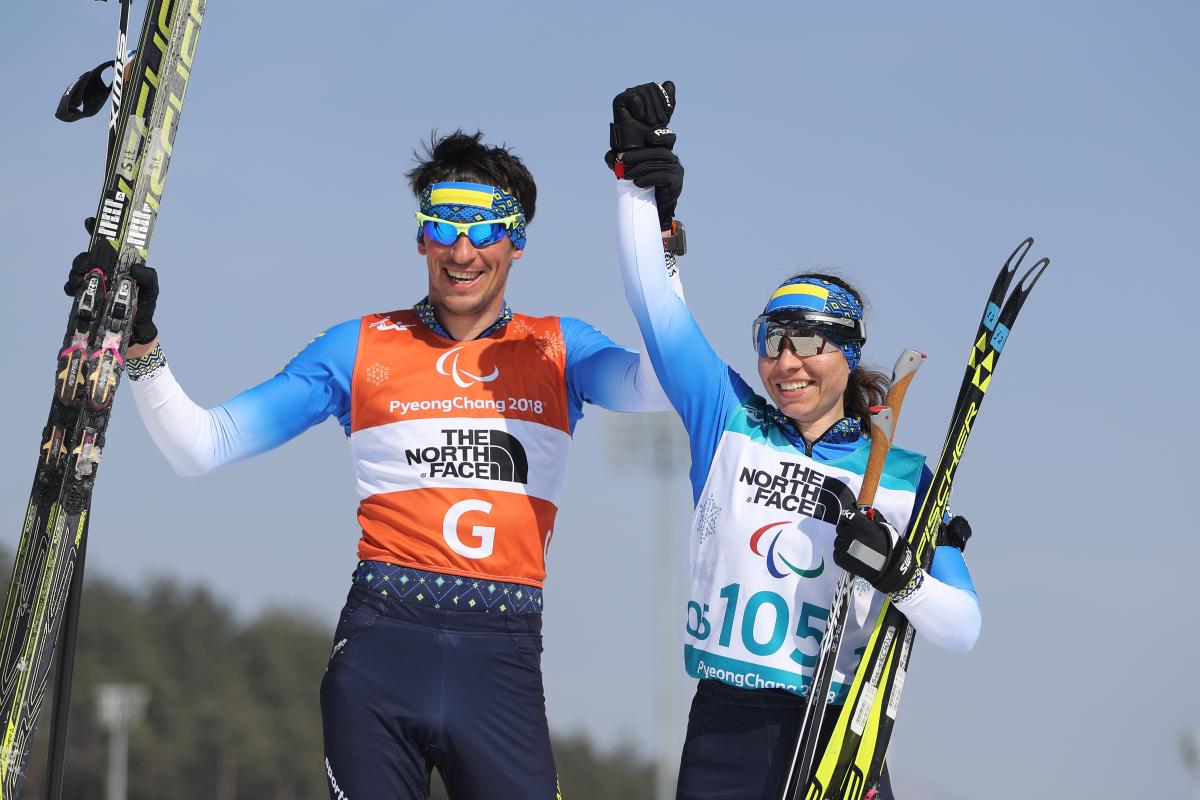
626	135
85	96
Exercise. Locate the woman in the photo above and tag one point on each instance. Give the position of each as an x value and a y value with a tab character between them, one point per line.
767	480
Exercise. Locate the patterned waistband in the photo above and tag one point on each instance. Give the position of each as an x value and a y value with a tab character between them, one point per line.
447	592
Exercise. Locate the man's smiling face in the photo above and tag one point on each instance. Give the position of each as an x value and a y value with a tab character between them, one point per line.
465	280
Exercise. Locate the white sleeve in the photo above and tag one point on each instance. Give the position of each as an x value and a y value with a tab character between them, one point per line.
612	376
945	615
187	434
648	386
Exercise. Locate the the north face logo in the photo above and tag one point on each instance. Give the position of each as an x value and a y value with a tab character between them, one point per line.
474	453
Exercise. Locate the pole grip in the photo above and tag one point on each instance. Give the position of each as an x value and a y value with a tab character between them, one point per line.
883	422
882	430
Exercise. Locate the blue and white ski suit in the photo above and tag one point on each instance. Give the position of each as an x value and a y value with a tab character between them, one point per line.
761	540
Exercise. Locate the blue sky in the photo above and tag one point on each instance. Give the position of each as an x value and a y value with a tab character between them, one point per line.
910	147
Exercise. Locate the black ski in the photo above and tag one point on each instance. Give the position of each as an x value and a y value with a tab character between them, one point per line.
64	662
90	364
853	759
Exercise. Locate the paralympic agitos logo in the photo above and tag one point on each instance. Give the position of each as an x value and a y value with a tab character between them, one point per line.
773	552
447	365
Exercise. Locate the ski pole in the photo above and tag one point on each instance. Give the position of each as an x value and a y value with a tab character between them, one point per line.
883	425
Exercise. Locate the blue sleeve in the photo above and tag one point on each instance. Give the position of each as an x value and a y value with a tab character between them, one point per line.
312	387
703	389
599	371
948	565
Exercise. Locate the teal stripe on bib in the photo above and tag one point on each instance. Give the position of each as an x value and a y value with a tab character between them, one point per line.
751	419
901	471
744	675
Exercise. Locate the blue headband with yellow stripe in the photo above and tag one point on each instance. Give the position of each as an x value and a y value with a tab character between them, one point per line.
815	295
473	202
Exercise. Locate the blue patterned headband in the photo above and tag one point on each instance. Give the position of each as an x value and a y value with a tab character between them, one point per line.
802	294
473	202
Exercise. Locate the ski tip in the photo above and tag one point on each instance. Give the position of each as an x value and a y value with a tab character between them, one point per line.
1032	275
1018	255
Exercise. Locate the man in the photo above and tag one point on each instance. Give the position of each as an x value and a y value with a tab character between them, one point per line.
459	413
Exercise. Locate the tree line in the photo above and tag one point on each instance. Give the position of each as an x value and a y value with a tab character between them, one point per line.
234	708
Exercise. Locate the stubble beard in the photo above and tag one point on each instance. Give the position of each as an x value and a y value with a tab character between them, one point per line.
464	306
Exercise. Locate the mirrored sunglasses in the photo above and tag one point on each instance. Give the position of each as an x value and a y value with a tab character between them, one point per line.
480	234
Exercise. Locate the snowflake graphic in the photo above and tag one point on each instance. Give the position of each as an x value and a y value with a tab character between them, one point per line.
552	346
521	327
377	374
709	511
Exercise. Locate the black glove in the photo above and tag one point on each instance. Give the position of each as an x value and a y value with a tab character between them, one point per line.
955	533
144	330
639	134
867	546
641	115
660	168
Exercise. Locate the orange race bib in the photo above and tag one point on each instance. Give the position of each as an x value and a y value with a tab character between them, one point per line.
459	447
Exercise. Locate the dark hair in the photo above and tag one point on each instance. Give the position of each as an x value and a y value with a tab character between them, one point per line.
461	156
867	386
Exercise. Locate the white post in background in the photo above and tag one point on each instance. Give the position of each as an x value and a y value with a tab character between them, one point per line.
1189	749
119	706
656	443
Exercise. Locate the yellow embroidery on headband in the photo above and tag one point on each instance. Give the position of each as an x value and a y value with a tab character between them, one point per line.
819	292
461	197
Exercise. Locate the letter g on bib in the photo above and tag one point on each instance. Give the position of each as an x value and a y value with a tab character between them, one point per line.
485	534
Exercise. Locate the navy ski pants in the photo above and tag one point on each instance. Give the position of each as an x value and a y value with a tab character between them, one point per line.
739	743
409	688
